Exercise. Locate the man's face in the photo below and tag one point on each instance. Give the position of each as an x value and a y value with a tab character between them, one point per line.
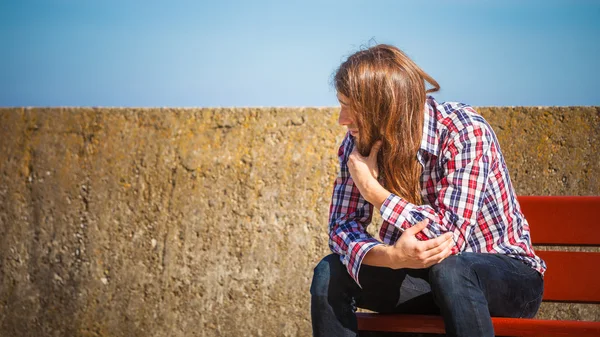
347	115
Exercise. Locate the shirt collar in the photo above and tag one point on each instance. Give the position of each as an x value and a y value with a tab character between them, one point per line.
429	142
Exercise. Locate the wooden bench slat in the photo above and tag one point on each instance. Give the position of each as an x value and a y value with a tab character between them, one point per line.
564	268
562	220
400	323
502	326
547	328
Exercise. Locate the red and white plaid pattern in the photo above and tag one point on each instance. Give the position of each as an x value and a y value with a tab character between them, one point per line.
465	188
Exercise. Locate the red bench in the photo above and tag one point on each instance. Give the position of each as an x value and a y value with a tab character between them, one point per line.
571	276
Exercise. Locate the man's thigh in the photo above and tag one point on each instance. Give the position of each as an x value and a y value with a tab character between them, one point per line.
395	290
511	288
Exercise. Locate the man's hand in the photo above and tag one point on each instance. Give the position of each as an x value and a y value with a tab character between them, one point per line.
409	252
364	173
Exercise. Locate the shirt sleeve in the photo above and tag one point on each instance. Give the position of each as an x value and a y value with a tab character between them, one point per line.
349	216
467	160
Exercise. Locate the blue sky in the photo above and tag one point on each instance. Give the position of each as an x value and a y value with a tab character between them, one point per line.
282	53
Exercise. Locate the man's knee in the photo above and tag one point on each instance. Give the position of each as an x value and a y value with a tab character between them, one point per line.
452	275
326	271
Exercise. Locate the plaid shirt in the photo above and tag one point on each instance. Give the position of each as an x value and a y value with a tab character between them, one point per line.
465	188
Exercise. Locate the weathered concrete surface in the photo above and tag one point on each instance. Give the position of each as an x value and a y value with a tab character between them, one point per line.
205	222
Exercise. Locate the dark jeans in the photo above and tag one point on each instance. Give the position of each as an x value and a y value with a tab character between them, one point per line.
466	289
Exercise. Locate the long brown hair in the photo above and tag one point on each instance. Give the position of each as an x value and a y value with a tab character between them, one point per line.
386	92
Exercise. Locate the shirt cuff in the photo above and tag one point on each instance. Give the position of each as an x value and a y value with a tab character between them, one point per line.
356	253
395	208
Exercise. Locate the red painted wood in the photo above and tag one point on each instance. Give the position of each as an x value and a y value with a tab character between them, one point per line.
400	323
502	326
546	328
557	220
571	276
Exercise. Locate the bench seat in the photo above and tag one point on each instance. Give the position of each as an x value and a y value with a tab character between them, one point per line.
502	326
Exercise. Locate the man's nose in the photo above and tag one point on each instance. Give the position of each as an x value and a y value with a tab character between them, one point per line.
344	118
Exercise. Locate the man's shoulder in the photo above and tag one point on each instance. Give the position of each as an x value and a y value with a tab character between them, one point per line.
456	117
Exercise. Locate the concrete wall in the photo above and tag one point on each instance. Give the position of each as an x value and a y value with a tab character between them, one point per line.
206	222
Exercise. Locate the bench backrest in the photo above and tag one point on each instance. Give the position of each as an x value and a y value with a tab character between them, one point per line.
572	276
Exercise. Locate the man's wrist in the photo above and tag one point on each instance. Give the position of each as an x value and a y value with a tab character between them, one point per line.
379	256
376	194
392	259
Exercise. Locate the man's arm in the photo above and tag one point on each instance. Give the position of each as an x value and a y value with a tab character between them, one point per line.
349	215
469	157
407	252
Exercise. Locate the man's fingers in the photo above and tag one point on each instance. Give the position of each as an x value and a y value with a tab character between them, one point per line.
419	226
439	257
435	251
375	149
433	243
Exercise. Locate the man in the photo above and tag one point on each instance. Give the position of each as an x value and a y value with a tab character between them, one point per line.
453	240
